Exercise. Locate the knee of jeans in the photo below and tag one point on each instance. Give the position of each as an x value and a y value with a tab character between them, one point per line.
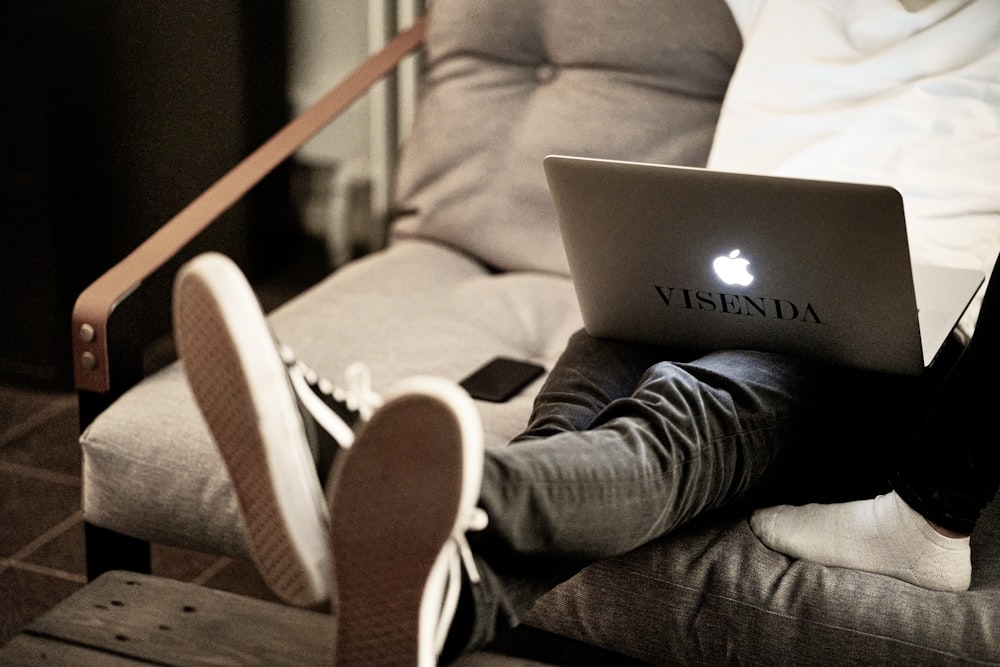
749	359
766	370
667	383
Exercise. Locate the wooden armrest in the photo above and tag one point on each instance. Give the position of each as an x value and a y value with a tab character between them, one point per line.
94	306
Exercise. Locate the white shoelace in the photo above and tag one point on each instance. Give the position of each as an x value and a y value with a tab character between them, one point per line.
460	556
358	397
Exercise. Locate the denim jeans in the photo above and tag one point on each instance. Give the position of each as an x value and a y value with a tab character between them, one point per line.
623	447
951	469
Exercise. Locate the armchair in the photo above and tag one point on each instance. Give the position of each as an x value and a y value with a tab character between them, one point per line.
475	269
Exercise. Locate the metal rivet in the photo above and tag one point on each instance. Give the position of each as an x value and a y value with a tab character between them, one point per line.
87	333
88	361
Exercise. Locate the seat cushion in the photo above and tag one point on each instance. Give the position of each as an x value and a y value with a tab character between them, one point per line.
416	308
713	593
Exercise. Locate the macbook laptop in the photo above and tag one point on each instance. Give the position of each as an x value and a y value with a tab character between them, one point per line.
709	260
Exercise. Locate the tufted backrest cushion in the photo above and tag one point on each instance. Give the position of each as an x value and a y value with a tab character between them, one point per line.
510	81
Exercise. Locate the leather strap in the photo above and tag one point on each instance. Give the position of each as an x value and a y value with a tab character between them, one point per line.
96	303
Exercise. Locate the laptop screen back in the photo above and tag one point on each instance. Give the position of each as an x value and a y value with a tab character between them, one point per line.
706	260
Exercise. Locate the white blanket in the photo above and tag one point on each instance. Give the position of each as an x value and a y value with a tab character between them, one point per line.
867	91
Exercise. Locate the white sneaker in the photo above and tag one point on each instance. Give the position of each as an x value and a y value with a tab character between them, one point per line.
401	502
275	423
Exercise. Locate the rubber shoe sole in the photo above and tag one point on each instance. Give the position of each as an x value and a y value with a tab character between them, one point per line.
396	499
243	392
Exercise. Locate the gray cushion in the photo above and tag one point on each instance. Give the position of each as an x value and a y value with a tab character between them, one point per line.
713	591
511	82
416	308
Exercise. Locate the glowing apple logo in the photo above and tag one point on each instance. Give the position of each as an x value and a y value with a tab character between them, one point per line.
733	269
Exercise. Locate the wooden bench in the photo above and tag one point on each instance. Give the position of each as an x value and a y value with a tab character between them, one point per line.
123	618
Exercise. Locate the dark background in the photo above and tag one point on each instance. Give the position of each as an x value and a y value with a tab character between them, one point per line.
116	114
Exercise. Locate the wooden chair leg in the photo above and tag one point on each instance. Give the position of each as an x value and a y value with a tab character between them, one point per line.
107	550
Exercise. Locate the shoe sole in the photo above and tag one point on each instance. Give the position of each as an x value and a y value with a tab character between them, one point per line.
395	501
243	392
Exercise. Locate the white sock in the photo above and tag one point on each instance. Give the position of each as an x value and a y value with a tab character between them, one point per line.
882	535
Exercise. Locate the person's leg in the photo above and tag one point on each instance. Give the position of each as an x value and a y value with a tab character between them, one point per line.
950	471
590	373
885	534
690	437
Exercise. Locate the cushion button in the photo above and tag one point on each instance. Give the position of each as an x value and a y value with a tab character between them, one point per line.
545	73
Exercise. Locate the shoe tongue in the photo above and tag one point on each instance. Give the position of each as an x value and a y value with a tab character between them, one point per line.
322	445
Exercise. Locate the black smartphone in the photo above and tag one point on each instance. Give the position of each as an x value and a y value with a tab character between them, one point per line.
501	378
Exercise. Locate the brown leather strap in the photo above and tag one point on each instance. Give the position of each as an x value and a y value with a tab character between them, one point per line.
96	303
